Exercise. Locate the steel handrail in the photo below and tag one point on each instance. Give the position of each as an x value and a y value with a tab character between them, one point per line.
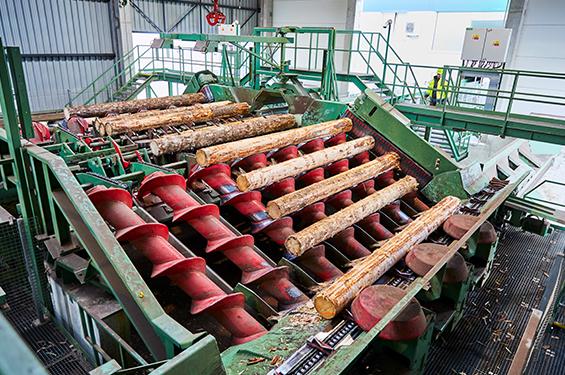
114	66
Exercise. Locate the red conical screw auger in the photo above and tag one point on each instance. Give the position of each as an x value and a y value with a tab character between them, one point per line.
249	205
171	189
115	206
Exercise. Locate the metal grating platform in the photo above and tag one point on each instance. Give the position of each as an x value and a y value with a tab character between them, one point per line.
485	340
49	344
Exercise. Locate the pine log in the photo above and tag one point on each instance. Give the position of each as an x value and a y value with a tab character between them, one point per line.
129	106
324	229
266	176
124	119
101	122
245	147
333	298
231	131
189	116
320	190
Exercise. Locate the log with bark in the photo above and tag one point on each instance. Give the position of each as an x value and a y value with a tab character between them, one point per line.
245	147
324	229
231	131
266	176
161	114
197	113
101	122
320	190
130	106
334	298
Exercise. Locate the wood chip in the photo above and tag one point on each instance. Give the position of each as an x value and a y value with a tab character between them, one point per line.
255	360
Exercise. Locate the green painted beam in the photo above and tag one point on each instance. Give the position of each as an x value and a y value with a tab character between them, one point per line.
226	38
161	333
487	122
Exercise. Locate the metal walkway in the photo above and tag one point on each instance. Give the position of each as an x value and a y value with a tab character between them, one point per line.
486	338
535	128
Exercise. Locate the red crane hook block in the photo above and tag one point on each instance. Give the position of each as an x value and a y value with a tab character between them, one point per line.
150	239
215	16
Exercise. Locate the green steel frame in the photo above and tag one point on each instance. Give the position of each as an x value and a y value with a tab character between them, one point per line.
49	191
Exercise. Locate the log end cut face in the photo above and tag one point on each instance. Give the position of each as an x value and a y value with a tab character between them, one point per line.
293	245
325	307
374	302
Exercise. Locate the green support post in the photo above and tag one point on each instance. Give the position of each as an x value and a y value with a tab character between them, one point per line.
20	90
27	204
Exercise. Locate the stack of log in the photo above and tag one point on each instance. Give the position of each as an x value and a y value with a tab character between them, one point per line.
197	113
211	135
335	297
291	168
250	146
326	228
132	106
316	192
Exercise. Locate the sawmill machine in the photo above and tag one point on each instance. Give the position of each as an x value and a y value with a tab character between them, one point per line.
233	230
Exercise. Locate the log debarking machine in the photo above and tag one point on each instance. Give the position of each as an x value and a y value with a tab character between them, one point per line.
216	232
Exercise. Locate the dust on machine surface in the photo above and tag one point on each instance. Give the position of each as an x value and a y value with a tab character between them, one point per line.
269	230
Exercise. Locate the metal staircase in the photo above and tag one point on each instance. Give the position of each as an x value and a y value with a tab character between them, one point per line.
369	60
133	87
454	143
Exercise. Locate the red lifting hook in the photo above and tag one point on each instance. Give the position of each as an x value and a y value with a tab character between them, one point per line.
215	16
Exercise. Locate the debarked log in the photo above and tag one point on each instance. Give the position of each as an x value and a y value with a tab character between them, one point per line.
245	147
326	228
231	131
266	176
130	106
316	192
335	297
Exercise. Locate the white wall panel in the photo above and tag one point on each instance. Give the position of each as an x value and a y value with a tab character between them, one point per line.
540	46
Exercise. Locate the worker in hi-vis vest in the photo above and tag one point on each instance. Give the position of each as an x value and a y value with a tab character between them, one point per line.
437	89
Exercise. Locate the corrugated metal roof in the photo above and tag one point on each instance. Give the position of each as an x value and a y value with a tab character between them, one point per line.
65	45
184	16
56	26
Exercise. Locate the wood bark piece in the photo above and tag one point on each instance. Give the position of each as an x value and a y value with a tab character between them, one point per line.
266	176
187	116
326	228
316	192
230	131
129	106
245	147
333	298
